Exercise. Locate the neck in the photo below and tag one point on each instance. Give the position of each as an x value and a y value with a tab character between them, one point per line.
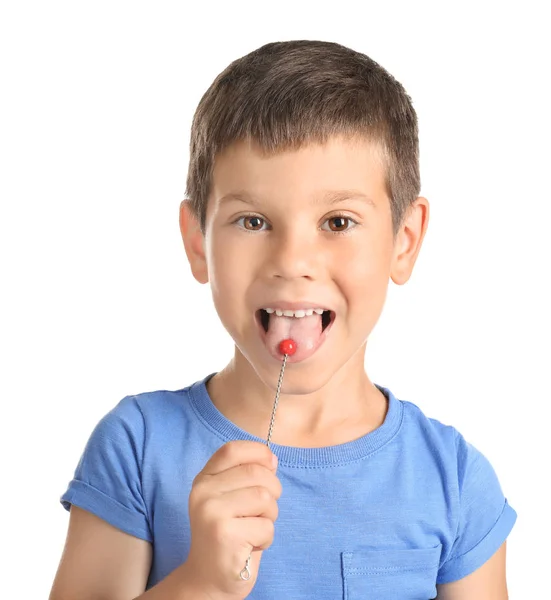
316	408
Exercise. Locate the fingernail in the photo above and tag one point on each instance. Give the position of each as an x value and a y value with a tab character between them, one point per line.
274	461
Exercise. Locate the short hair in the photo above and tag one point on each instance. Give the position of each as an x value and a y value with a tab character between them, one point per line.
287	94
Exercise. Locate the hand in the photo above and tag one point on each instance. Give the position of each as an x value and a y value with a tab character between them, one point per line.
232	510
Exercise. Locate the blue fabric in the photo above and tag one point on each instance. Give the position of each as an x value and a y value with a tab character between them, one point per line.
388	515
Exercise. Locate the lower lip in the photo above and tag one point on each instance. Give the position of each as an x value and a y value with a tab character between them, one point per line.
299	355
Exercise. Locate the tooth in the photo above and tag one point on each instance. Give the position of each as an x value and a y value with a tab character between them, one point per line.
307	312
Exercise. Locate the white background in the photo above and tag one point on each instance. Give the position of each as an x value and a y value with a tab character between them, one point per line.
98	301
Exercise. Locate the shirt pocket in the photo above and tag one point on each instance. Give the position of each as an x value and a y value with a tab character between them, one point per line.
408	574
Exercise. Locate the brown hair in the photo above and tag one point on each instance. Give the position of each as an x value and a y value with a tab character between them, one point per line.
286	94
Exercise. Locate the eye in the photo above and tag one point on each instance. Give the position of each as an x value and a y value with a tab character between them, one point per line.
341	224
251	222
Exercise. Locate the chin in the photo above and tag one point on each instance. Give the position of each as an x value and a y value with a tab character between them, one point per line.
298	380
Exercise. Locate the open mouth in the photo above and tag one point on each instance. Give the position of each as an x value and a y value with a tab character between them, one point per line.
307	327
327	317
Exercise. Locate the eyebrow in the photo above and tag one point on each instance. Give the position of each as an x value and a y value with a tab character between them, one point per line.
330	197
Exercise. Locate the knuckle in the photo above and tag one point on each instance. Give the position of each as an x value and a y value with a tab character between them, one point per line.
194	497
252	470
227	451
270	530
262	494
208	510
278	489
198	488
197	482
221	531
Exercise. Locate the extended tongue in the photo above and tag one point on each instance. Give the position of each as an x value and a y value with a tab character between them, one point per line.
305	331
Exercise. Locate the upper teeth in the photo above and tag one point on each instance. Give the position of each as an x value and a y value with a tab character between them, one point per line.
307	312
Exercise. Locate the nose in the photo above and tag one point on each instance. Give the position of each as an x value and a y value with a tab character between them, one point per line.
293	254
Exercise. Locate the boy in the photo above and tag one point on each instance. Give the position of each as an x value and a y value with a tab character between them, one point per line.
303	192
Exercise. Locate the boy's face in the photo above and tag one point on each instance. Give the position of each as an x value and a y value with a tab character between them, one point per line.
273	235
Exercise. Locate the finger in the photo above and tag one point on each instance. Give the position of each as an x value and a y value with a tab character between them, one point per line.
258	532
242	476
254	501
237	453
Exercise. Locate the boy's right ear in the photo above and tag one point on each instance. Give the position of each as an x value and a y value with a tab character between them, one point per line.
194	242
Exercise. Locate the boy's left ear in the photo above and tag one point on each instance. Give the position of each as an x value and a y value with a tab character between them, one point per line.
194	242
408	240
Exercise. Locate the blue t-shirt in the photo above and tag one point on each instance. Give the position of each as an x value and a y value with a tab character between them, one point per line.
409	505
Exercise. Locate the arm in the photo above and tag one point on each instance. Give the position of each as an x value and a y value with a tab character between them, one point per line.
486	583
233	507
100	562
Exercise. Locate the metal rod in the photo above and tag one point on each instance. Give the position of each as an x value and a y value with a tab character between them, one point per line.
278	390
245	574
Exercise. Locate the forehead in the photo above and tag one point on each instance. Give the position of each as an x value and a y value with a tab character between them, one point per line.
314	171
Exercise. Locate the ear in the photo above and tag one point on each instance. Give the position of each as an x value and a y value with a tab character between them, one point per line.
194	242
408	241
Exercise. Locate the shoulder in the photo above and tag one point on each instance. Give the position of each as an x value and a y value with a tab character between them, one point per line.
137	427
414	414
146	409
445	440
441	448
428	432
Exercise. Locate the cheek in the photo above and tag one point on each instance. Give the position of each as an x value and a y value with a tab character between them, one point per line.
229	279
366	278
369	259
223	261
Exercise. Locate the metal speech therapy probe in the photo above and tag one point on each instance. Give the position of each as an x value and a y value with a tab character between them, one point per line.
287	347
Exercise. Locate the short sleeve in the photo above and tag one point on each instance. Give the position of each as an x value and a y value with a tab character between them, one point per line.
485	517
107	480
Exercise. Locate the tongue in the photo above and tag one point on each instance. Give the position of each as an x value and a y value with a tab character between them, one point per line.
305	331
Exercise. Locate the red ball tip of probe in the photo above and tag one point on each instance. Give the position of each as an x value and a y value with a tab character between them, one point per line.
288	347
